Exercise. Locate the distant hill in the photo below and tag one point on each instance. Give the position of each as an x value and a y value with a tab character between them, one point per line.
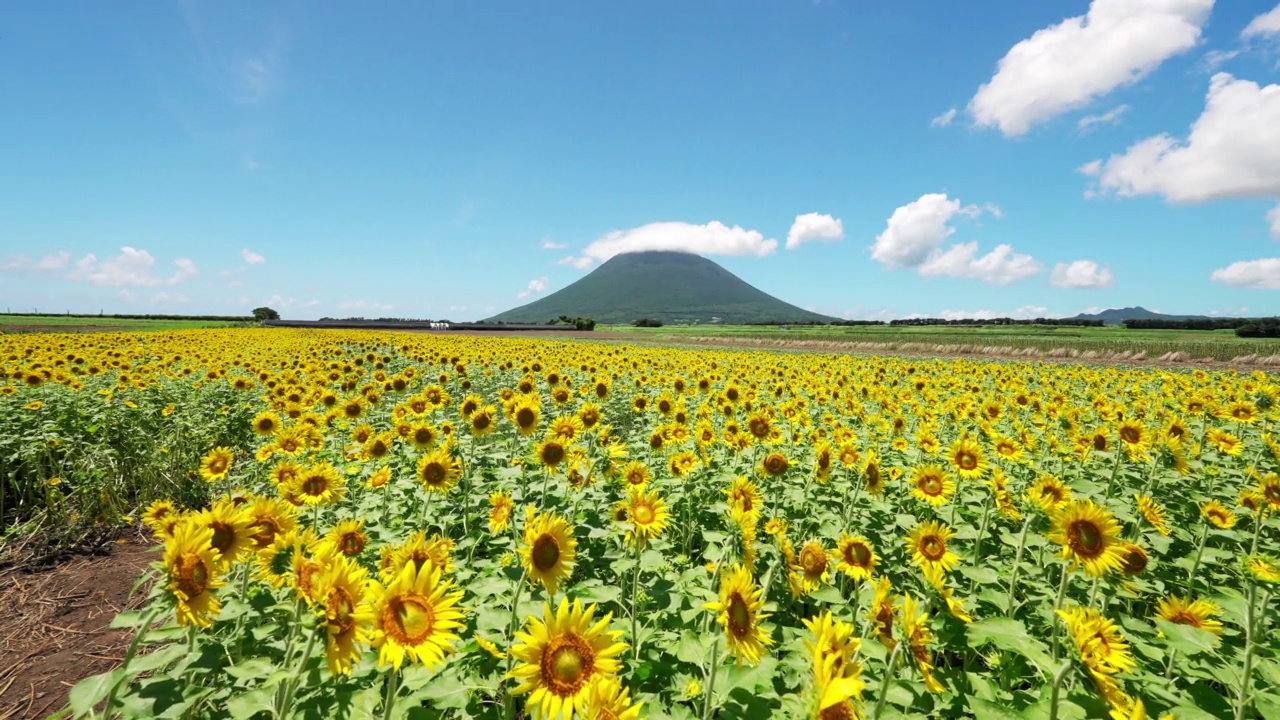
668	286
1115	316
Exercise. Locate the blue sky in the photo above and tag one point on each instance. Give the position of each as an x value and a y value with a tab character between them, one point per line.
455	159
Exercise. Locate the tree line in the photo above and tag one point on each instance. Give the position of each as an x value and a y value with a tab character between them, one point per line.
1245	327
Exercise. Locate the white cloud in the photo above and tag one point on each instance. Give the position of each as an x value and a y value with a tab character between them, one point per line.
536	286
1273	217
130	267
914	235
548	245
1262	274
48	263
1216	58
581	263
1026	312
713	238
1001	266
164	298
812	226
252	257
1232	151
1067	66
944	119
1081	274
365	305
1264	25
1110	117
279	302
56	261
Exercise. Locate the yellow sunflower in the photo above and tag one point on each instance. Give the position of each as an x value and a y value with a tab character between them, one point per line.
266	423
1089	536
930	484
1153	513
1185	611
270	517
438	470
927	543
217	463
191	565
855	557
609	699
319	484
739	608
339	590
347	537
500	507
415	616
837	675
743	495
1049	493
967	458
548	550
775	463
561	656
883	611
231	526
648	514
1218	514
915	625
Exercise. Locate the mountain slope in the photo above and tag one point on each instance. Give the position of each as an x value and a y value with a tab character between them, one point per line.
667	286
1115	316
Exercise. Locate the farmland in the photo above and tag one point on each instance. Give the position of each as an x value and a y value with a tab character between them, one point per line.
402	524
103	323
1042	340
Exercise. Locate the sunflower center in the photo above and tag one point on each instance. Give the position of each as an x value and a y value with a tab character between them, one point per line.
433	473
813	560
1087	537
1130	435
842	710
775	464
553	454
931	485
857	554
409	619
480	422
223	536
217	466
267	529
739	616
567	663
340	606
314	485
352	544
643	514
933	548
422	437
193	576
546	553
966	460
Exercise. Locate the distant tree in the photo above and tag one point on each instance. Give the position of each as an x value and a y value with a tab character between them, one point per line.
265	313
647	322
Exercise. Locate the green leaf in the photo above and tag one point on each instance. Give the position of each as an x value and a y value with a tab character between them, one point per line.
1185	639
987	710
828	594
651	560
1011	635
92	690
691	648
243	706
156	660
981	575
250	668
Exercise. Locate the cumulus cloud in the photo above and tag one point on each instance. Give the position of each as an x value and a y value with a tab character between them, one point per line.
49	263
251	257
548	245
1067	66
1273	217
537	285
1026	312
279	302
168	299
1110	117
1232	151
580	263
1262	274
813	226
130	267
1001	266
1081	274
713	238
944	119
914	235
1265	25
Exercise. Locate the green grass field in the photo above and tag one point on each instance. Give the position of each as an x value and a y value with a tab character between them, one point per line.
1222	345
94	323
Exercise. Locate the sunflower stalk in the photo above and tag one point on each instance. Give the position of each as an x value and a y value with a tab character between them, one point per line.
712	666
128	656
1195	564
1056	688
1017	562
1242	699
635	604
389	695
291	685
888	678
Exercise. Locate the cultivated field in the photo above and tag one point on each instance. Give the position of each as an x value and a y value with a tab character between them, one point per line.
91	323
409	525
1033	341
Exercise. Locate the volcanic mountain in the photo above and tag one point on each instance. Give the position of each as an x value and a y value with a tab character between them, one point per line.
659	285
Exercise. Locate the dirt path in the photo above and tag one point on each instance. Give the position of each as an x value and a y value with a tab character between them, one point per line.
55	625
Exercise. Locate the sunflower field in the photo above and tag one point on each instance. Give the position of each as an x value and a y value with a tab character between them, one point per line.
376	524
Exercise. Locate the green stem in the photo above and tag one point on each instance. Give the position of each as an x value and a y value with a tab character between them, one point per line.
1056	687
1242	701
635	602
128	656
982	533
1017	560
711	677
292	686
1057	605
888	677
1195	564
389	697
1258	519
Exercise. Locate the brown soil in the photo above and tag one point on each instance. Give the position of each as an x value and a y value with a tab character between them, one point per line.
56	620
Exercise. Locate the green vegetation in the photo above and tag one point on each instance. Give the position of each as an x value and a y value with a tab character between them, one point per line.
1219	344
91	323
667	286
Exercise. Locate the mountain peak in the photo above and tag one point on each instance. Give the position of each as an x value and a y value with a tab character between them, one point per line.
667	285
